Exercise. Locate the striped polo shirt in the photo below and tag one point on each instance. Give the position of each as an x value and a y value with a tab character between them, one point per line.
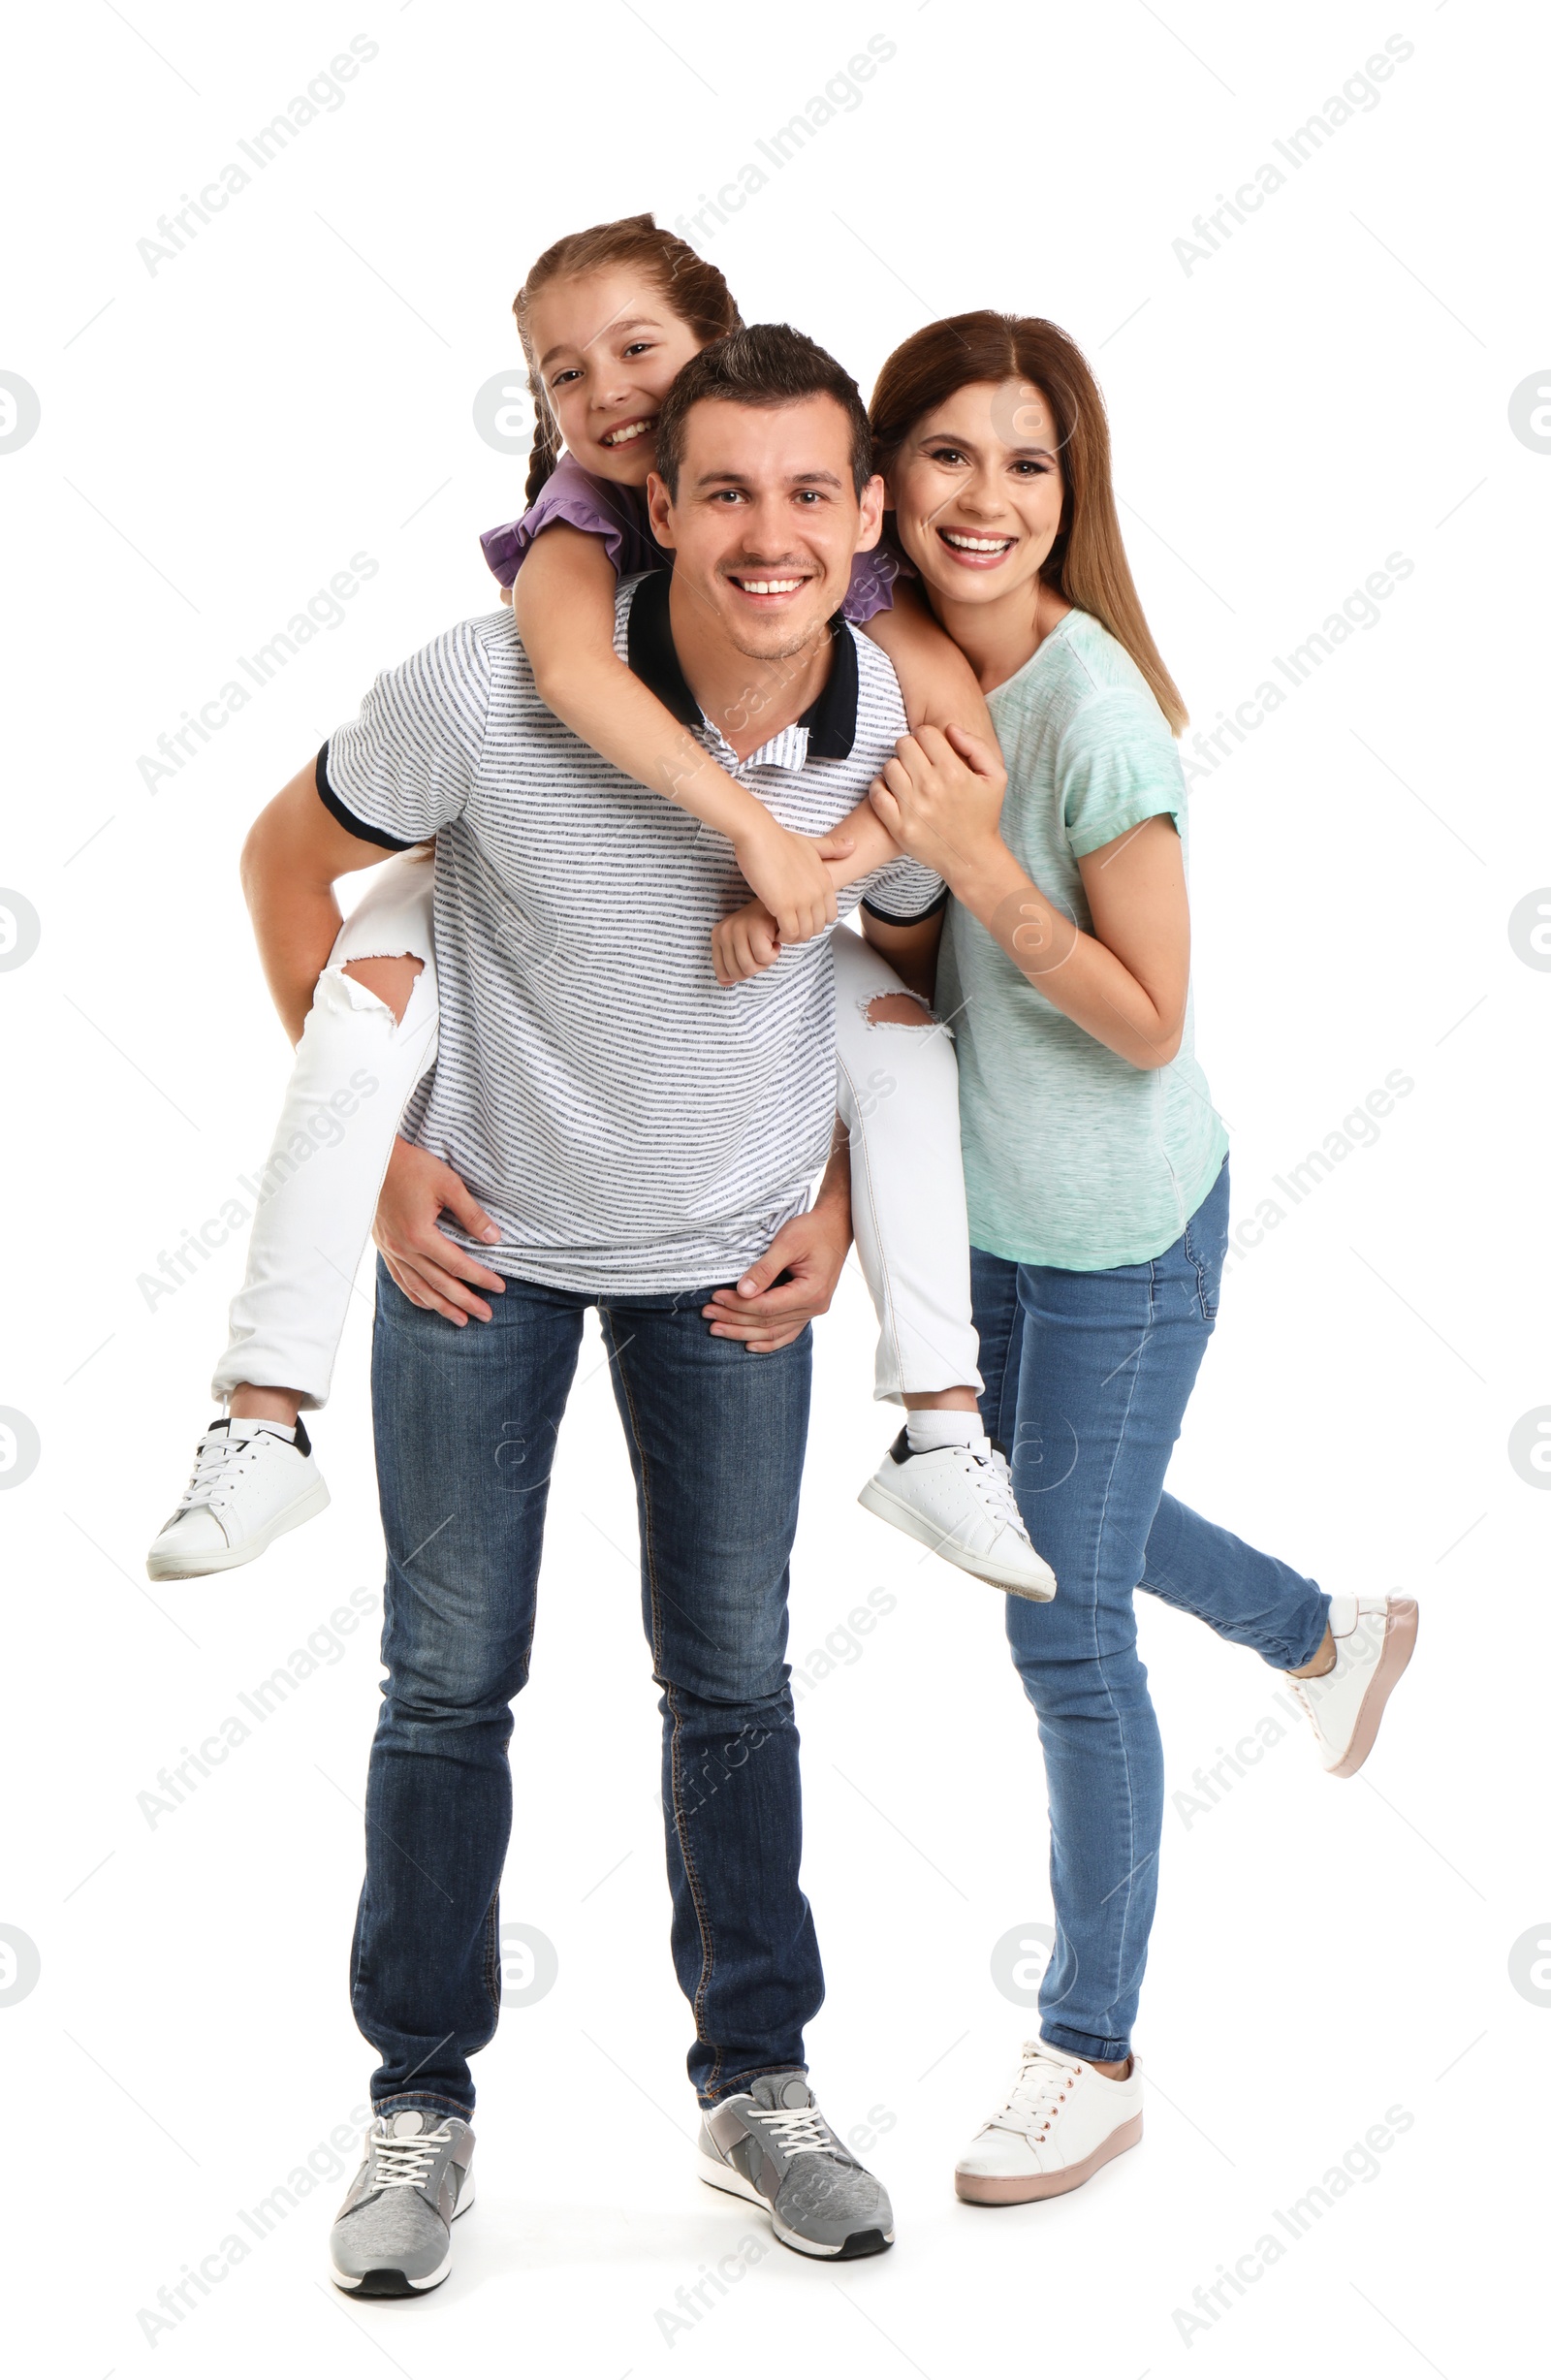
628	1125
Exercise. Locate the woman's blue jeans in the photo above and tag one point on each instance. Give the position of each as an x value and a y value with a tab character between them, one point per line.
1086	1380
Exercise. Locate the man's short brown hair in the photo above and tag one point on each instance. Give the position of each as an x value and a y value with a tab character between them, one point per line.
766	363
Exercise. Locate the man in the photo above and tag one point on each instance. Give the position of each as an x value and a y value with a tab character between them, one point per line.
633	1137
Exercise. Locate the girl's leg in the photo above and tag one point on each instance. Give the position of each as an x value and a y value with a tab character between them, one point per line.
356	1066
898	1094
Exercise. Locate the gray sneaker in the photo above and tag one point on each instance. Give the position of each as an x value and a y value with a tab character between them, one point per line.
771	2145
393	2236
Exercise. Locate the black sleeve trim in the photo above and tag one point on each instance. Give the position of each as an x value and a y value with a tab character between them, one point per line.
919	919
347	817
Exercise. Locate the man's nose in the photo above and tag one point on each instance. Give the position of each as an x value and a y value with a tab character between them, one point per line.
768	533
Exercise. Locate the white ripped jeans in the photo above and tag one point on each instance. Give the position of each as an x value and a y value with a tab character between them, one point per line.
896	1091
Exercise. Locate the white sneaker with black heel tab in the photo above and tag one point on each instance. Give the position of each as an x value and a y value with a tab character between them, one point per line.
1059	2123
252	1481
959	1501
1375	1637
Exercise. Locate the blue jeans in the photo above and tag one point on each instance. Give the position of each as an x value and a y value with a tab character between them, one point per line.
466	1429
1087	1375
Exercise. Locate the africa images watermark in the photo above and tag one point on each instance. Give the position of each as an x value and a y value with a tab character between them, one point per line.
324	95
323	1129
1359	95
325	2163
324	1648
1212	2300
324	609
841	95
1358	1129
1210	748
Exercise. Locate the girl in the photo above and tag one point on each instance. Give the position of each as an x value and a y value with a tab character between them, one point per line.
607	318
1095	1167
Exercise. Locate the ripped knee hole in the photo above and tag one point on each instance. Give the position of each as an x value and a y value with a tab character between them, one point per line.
899	1008
391	979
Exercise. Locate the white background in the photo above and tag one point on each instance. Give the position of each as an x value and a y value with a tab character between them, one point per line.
217	438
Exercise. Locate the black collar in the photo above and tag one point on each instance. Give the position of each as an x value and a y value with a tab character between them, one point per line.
830	718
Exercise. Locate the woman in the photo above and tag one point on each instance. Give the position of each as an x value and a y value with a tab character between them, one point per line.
1095	1166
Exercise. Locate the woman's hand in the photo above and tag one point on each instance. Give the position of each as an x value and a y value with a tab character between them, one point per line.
744	943
430	1268
940	798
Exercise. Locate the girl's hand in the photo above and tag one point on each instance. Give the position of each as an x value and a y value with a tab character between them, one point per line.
786	873
940	799
744	943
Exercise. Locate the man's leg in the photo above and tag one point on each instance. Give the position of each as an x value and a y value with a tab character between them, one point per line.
465	1425
716	1440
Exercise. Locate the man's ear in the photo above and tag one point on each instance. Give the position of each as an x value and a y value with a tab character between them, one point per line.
872	502
659	510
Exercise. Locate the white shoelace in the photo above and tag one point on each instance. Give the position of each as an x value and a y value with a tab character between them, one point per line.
403	2164
795	2129
994	1485
219	1459
1042	2084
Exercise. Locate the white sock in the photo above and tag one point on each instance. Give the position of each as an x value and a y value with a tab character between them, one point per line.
935	1425
256	1421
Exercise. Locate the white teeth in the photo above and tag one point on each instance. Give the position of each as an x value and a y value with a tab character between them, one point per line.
977	545
622	437
769	586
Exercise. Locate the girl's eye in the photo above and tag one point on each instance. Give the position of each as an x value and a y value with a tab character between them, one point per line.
640	347
560	378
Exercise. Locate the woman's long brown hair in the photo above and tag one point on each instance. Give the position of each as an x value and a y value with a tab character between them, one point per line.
1087	563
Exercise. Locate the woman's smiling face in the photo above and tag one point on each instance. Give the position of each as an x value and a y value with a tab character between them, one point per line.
977	492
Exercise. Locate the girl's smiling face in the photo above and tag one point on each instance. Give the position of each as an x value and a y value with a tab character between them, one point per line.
609	348
977	492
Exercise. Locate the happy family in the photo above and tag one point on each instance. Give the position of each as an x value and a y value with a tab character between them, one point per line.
769	664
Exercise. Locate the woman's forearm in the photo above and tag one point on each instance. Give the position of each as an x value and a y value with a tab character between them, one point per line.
1072	970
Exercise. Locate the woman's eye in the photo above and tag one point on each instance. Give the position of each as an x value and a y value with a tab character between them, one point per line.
945	454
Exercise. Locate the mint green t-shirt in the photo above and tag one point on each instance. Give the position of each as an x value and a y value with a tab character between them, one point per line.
1072	1156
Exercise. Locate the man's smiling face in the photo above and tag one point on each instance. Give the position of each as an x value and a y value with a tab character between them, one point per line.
767	520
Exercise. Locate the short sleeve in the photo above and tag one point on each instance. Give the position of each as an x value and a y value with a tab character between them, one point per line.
903	893
1116	764
871	587
407	764
596	507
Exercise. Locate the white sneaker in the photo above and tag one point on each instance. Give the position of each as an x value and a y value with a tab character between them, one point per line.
1373	1641
1060	2122
959	1501
249	1486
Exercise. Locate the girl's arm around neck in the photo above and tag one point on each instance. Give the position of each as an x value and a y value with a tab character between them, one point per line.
563	604
936	684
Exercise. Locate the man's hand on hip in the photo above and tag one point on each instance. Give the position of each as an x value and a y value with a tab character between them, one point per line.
812	1249
431	1270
